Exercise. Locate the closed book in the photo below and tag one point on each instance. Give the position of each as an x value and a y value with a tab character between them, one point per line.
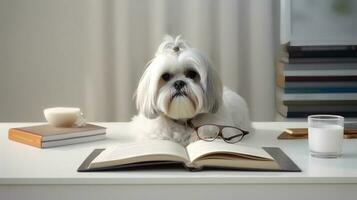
348	76
323	48
306	114
43	136
318	102
315	103
316	84
320	78
317	66
286	59
317	107
315	96
303	110
350	132
287	70
281	80
321	72
295	90
322	51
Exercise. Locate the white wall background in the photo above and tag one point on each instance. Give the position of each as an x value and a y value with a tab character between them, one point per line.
91	54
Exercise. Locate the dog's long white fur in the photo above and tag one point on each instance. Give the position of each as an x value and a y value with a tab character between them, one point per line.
162	115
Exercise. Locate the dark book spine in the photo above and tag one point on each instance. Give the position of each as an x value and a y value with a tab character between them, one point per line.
322	48
317	102
322	54
320	60
321	90
306	114
319	78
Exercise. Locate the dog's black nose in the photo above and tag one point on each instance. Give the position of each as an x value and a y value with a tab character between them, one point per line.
179	84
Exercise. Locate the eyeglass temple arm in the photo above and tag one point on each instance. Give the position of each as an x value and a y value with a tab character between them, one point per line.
234	136
190	124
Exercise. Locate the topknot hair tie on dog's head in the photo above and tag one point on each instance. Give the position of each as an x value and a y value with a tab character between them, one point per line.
171	44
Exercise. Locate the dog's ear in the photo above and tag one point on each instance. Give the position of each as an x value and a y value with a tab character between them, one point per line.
145	96
214	88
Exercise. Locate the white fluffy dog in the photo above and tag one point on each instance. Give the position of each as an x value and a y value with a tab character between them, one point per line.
180	84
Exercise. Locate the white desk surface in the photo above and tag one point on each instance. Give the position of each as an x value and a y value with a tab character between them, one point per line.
22	164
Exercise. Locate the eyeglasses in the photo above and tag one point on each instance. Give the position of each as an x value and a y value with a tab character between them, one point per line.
210	132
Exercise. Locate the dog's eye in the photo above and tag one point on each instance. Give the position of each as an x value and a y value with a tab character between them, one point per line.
191	74
166	77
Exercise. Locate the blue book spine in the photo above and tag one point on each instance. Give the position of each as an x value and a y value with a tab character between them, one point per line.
293	90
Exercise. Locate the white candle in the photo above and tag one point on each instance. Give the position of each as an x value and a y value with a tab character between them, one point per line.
326	139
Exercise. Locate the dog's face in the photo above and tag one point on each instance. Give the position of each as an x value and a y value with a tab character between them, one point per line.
179	83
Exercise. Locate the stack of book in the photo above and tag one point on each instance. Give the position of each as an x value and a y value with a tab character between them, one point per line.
45	136
317	80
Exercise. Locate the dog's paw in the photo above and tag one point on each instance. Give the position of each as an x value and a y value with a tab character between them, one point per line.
193	138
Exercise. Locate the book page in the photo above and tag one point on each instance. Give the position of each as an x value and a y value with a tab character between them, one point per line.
237	163
148	150
202	148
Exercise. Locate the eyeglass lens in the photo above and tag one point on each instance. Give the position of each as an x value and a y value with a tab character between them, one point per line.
231	135
210	132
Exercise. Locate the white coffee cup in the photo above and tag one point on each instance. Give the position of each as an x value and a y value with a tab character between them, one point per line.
64	116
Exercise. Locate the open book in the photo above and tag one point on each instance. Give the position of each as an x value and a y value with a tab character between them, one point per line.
197	155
